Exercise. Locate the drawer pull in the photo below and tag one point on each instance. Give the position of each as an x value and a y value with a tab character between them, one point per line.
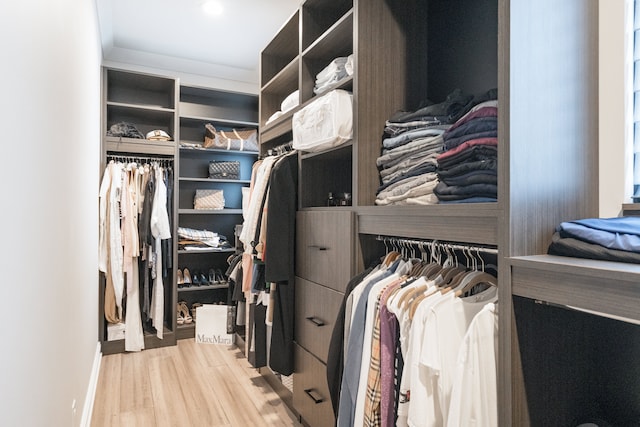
315	321
316	400
320	248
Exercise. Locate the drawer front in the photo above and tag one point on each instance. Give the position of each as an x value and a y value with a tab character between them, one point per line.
324	247
316	311
310	391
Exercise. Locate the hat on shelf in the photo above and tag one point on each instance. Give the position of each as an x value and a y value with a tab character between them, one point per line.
125	129
158	135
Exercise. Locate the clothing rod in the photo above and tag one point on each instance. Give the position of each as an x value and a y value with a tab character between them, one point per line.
454	246
134	157
279	149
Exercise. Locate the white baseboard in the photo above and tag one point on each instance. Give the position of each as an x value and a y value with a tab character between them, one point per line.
91	390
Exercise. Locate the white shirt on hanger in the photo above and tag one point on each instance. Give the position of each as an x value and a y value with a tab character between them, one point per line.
474	395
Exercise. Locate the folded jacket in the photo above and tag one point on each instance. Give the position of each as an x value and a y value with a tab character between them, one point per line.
402	187
419	145
423	189
473	154
486	109
611	240
443	111
451	154
420	169
470	200
623	224
414	157
473	177
411	135
393	172
567	246
473	126
462	168
452	143
454	192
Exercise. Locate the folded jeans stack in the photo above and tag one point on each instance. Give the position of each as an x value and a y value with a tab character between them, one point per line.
467	170
411	142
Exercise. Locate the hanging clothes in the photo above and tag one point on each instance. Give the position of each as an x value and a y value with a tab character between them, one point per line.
404	326
268	235
133	223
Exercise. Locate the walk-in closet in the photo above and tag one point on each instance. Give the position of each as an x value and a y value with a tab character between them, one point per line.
322	213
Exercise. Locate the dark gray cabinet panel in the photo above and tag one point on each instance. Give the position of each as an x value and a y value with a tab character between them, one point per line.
324	251
316	310
310	390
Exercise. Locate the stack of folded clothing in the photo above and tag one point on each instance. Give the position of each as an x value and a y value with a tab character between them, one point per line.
289	103
192	239
607	239
467	170
337	70
411	144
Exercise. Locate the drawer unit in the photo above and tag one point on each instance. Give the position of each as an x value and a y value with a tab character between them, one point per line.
310	391
316	310
325	247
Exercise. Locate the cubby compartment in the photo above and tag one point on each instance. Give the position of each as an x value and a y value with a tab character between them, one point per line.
143	90
144	120
448	45
320	15
337	42
324	173
218	105
577	367
283	49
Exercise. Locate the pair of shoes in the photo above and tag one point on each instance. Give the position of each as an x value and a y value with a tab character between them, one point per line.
199	279
220	277
194	306
183	316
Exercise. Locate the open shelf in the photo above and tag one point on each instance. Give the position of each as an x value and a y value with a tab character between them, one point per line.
472	223
609	288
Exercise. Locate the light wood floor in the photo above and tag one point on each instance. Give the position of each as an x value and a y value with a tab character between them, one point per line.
186	385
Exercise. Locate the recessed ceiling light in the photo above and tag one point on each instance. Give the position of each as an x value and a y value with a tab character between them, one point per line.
213	7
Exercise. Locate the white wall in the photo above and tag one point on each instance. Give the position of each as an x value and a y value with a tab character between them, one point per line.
50	129
614	167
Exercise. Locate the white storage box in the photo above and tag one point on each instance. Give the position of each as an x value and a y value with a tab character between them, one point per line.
115	331
325	123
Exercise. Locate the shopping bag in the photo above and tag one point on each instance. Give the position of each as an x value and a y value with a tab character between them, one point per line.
211	326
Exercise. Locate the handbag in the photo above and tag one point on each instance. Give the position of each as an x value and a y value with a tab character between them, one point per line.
223	169
235	139
208	199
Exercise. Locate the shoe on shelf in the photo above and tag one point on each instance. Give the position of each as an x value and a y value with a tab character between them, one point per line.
194	306
212	276
186	277
184	311
179	316
180	280
220	279
195	278
203	279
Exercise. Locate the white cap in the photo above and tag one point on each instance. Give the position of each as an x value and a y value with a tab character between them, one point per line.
158	135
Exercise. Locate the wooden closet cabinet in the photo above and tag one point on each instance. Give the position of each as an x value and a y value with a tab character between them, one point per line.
149	102
225	111
542	56
324	264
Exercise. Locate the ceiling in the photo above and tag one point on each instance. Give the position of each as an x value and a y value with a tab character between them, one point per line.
177	36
